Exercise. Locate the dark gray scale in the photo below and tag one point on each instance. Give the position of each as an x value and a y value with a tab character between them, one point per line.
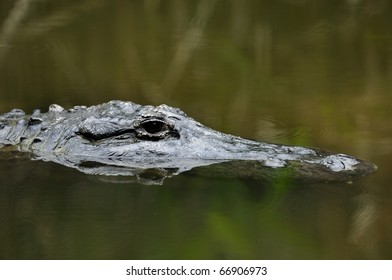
124	138
34	120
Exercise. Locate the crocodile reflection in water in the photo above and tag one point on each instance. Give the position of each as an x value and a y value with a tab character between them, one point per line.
152	143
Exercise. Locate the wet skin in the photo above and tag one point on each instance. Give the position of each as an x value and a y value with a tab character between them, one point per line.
124	138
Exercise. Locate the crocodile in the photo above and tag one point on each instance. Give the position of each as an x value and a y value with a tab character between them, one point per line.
151	143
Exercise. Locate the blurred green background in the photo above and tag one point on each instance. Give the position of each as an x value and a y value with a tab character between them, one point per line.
313	73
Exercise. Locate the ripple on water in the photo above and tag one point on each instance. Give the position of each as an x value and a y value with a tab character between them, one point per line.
276	130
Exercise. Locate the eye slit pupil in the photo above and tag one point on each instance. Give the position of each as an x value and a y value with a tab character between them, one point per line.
153	127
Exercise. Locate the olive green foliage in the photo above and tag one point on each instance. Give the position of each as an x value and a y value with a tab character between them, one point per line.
314	73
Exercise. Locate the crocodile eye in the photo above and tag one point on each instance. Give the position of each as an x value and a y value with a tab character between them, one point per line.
154	126
155	129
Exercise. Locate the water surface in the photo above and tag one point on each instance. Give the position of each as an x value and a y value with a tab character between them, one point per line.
310	73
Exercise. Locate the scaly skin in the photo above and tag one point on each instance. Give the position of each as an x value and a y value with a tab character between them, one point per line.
124	138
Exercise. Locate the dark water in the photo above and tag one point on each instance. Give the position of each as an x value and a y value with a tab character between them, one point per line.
311	73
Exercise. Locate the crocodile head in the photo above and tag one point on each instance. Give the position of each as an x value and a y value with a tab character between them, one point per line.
119	137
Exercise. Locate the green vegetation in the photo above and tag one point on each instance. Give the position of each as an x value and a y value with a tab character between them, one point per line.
315	73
